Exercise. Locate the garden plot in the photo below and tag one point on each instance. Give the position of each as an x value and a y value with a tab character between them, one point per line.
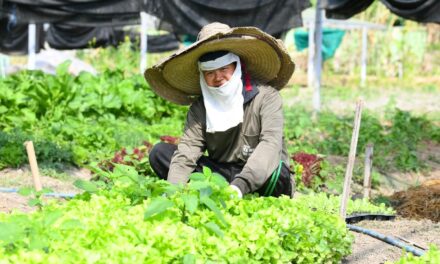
128	216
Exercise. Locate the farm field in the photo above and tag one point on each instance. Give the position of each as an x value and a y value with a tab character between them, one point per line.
102	202
104	160
86	123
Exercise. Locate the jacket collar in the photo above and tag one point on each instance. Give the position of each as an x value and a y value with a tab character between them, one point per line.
250	90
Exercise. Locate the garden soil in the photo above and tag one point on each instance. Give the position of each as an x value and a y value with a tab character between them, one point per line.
368	250
18	178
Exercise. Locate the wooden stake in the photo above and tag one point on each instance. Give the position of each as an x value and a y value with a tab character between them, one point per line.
34	166
367	170
411	242
351	159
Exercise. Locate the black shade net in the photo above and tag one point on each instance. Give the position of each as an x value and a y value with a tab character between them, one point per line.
79	13
14	38
344	9
60	36
82	23
74	37
417	10
189	16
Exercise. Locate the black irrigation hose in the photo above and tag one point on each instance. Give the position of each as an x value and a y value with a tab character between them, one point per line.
355	218
387	239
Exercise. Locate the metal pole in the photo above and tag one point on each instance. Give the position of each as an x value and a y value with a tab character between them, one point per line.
364	56
32	33
143	62
317	67
311	52
4	64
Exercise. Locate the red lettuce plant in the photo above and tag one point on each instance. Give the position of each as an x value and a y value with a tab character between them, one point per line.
311	166
170	139
137	157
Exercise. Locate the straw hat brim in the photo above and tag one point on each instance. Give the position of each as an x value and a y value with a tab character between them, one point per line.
177	77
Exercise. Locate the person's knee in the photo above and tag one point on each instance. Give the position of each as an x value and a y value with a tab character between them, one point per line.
161	151
152	156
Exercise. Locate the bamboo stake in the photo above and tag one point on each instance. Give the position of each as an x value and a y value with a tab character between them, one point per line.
34	166
367	170
411	242
351	159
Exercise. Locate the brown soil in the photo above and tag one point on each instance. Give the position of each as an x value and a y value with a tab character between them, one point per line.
368	250
18	178
10	202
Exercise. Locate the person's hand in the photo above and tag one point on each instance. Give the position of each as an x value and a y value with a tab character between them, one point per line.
237	190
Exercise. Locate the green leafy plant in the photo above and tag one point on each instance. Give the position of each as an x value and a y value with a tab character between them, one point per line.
35	196
395	139
204	191
49	154
111	226
431	256
125	218
90	116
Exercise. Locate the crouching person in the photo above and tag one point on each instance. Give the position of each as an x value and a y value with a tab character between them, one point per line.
231	77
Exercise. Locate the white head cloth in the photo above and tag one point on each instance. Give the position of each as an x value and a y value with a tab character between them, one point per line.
224	104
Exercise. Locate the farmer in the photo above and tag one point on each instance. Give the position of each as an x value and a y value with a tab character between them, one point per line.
231	78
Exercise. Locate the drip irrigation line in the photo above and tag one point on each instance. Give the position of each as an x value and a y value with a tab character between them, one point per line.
51	194
386	239
352	219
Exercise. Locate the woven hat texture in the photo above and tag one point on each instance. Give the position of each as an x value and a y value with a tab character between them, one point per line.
176	78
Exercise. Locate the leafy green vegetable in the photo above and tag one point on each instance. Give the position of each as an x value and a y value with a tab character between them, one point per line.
157	206
149	220
86	185
431	256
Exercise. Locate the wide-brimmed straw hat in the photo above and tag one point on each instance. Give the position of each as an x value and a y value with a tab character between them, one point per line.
177	77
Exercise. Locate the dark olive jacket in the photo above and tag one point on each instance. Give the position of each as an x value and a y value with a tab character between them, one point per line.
257	144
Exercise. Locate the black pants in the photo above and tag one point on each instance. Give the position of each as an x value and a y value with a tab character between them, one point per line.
161	154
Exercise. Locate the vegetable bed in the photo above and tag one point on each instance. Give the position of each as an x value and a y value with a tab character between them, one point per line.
137	219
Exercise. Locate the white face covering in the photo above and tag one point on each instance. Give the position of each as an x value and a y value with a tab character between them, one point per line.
224	104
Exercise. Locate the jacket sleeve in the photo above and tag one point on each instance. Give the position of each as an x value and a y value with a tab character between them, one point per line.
267	155
190	148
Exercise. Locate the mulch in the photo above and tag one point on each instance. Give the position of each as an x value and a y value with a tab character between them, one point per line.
419	202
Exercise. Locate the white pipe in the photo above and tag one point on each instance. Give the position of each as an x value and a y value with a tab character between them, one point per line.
317	62
364	56
4	64
311	52
32	33
143	62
